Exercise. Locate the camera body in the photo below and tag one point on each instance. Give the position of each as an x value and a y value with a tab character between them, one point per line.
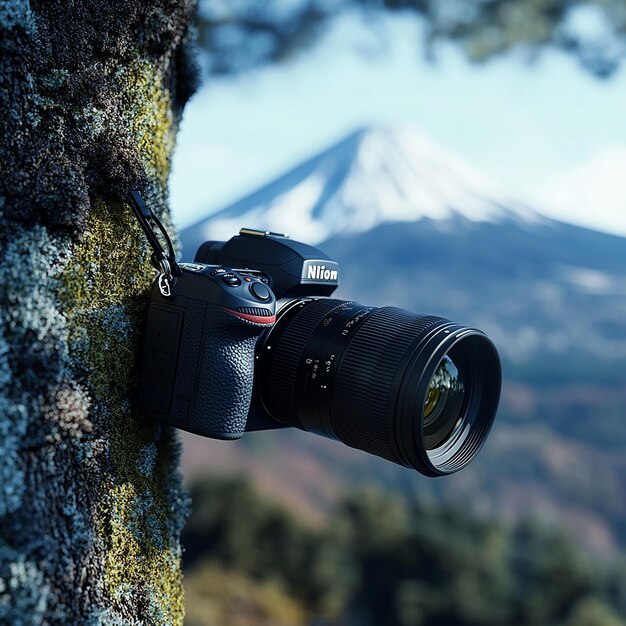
197	370
247	338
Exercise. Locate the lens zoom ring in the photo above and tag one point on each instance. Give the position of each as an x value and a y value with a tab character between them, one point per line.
364	380
287	354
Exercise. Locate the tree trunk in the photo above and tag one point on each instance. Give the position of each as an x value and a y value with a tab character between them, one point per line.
91	505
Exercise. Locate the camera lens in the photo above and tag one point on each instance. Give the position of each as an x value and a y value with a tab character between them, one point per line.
417	390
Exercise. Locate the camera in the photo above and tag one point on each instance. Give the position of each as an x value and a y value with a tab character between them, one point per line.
250	339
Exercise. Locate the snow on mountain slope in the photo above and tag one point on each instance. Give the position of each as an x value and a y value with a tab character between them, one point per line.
373	176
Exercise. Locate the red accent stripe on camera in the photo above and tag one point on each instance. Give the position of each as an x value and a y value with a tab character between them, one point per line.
257	319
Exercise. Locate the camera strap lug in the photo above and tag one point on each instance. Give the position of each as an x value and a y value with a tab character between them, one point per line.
164	261
165	281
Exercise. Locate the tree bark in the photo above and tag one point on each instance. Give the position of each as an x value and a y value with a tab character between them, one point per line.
91	504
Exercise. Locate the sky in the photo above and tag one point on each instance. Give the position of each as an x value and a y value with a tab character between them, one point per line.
550	132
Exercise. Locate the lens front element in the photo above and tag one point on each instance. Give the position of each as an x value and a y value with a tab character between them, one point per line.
443	405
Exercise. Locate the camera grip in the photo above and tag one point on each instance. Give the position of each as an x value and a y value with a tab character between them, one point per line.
224	375
198	359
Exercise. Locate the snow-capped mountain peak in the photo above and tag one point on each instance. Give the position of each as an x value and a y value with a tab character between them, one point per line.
374	175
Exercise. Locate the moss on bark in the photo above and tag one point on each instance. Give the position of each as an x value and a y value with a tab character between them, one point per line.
91	506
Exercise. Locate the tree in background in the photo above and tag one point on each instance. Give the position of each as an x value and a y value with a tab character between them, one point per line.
91	506
244	34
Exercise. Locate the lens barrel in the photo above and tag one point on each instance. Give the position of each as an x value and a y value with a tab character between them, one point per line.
418	390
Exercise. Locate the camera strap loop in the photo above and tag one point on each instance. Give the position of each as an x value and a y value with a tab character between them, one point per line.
165	278
165	282
164	261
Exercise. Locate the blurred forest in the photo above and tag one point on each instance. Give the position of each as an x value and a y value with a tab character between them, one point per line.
384	560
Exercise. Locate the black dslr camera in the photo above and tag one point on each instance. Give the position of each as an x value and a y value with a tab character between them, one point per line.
249	339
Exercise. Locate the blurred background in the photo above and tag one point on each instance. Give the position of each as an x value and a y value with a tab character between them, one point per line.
461	158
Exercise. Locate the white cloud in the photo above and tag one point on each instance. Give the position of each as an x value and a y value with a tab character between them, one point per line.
592	194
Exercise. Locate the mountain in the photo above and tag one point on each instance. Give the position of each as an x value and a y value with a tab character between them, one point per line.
371	177
413	226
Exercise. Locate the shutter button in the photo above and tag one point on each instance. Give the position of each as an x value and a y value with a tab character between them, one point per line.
260	291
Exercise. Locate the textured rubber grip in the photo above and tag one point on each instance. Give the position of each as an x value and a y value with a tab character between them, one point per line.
198	367
225	374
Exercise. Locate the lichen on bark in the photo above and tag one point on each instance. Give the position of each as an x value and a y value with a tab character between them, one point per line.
91	505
